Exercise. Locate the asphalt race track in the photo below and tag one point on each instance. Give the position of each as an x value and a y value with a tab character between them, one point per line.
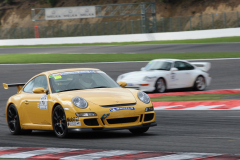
177	131
161	48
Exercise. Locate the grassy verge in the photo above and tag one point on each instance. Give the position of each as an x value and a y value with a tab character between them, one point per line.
209	40
82	58
198	97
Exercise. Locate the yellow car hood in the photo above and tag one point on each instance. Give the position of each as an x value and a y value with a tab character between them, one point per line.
104	96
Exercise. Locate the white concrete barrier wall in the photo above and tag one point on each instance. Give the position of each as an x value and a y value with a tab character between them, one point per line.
202	34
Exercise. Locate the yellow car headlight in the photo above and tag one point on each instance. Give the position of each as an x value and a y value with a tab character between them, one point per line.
143	97
80	102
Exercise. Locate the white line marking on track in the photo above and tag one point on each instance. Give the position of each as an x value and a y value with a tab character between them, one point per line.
236	108
217	59
182	156
100	155
115	45
36	152
202	107
166	107
6	148
75	63
213	59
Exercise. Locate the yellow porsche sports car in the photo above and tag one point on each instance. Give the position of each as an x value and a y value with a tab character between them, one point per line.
80	99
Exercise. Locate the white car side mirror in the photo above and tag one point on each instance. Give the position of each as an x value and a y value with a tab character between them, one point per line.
143	69
173	69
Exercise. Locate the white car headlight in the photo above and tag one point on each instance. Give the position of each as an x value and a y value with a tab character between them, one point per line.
143	97
80	102
120	77
148	78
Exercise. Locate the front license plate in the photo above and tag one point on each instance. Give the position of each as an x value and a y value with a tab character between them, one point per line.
77	123
121	108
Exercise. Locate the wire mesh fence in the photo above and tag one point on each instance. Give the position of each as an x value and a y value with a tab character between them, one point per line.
171	24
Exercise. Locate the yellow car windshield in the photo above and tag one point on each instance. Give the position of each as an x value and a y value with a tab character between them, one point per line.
80	80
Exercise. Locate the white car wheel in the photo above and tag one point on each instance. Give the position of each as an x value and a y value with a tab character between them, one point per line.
200	83
160	86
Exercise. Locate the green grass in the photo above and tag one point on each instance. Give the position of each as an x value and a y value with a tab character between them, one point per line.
196	97
82	58
209	40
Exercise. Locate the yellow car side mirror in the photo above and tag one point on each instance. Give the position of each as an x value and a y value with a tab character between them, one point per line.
39	90
122	84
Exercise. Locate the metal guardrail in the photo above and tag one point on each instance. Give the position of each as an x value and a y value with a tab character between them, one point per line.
171	24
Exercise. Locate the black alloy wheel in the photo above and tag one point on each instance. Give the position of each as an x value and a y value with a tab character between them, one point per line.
160	86
139	130
200	84
13	120
59	122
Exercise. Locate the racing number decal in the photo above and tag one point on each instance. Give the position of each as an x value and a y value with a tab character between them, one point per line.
43	102
173	76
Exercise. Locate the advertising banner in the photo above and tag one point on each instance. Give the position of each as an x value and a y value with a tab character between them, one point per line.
70	12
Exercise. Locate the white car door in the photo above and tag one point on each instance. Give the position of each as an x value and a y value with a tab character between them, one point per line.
183	76
168	75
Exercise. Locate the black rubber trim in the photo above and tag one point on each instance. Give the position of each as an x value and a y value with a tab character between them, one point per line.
103	122
122	120
107	129
141	118
16	84
148	117
117	105
91	122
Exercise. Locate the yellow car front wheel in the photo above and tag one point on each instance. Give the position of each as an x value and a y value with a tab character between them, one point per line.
139	130
59	122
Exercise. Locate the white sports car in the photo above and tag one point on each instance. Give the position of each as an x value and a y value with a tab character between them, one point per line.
160	75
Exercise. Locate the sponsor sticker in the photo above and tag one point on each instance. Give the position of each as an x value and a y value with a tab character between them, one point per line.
121	108
129	84
104	116
43	101
77	123
72	119
100	72
58	75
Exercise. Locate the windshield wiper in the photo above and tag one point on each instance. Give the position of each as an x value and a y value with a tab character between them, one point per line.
68	90
155	69
101	87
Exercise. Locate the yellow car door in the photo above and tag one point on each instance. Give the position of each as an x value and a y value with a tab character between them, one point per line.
36	105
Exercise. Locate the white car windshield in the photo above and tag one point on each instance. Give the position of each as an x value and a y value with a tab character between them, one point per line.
80	80
158	65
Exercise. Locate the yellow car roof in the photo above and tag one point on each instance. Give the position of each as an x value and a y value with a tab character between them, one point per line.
67	70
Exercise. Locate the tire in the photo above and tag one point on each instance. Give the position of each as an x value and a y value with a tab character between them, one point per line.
160	86
59	122
139	130
13	120
200	84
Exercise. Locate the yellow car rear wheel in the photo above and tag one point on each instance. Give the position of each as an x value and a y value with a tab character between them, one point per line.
13	120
